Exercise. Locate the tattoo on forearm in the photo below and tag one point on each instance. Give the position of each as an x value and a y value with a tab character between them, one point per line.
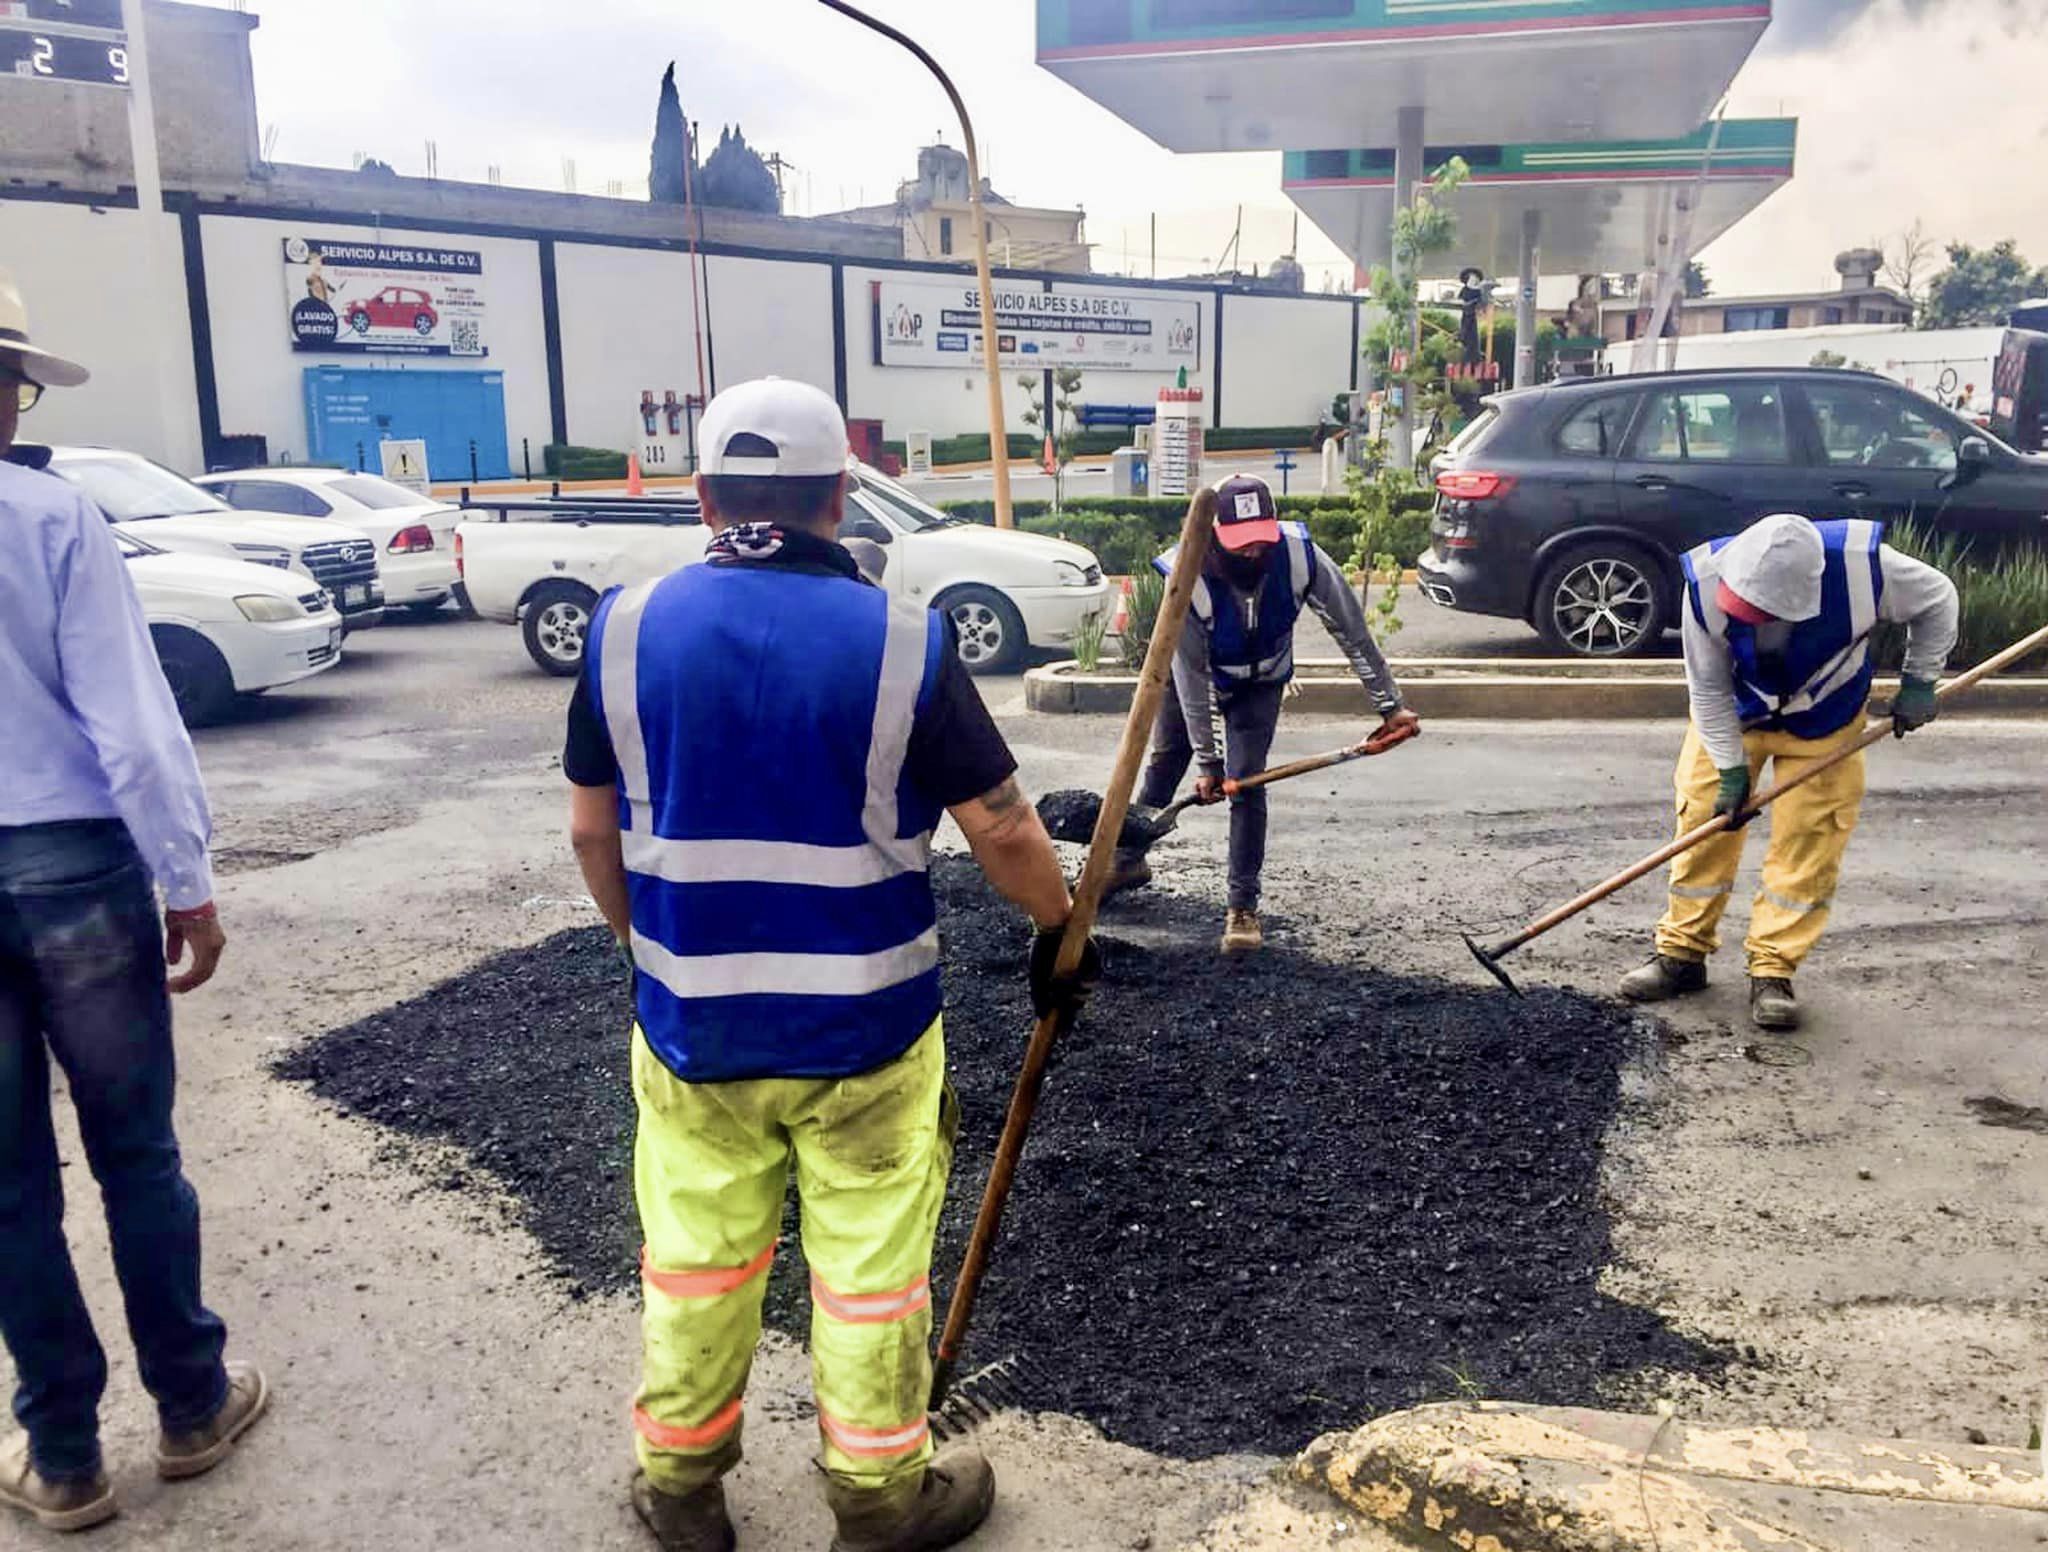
1007	809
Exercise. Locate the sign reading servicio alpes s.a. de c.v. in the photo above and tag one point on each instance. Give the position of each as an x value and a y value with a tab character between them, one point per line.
379	298
934	324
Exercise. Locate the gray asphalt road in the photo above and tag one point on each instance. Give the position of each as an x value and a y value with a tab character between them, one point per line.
1829	1206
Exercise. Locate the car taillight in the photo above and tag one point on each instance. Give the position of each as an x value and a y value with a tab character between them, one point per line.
1472	485
458	554
411	541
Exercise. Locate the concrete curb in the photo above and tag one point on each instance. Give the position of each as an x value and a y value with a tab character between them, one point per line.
1525	689
1502	1477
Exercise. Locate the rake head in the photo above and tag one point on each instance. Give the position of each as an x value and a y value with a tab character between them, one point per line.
1492	963
1006	1385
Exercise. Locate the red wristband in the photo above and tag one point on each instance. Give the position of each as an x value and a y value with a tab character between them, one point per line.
197	913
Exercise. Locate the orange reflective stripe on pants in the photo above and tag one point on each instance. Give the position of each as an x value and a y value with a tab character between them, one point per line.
872	1309
873	1443
712	1283
667	1436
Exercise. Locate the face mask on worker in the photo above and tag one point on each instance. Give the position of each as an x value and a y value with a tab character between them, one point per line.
1245	567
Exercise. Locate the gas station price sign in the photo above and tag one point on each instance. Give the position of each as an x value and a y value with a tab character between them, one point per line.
80	41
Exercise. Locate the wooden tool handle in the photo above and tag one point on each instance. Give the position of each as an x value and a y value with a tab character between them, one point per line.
1116	803
1379	743
1875	733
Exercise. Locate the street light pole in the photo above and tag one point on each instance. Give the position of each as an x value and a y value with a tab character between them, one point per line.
998	430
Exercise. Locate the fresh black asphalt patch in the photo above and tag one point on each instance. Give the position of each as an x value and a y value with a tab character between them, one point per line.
1262	1198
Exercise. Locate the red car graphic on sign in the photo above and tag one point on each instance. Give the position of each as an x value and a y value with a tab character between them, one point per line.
395	307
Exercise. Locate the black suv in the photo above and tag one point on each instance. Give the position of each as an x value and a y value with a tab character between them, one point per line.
1569	505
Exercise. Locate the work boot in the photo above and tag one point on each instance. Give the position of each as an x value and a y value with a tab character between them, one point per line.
1241	934
685	1522
193	1452
1661	977
53	1505
1130	871
944	1508
1771	1003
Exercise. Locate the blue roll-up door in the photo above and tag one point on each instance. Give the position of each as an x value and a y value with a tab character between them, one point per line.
349	410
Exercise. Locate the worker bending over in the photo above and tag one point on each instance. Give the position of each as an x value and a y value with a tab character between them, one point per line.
1235	657
1777	659
761	747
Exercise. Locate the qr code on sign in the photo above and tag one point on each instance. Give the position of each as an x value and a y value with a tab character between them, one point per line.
464	337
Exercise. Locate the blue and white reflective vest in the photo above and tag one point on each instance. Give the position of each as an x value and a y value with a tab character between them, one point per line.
1251	635
1819	683
783	920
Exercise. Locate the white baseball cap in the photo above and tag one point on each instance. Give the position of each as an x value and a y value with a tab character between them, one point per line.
1776	565
32	361
772	428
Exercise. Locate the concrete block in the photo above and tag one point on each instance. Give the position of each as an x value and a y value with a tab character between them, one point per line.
1501	1477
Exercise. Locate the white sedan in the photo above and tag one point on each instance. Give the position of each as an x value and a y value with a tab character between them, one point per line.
224	628
415	534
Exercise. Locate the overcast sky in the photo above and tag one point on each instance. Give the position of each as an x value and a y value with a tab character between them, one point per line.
1908	108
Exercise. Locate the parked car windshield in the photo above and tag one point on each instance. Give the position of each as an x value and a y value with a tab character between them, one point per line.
379	495
905	508
129	490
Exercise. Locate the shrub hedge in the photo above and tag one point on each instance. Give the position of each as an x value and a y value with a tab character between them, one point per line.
2003	596
566	461
1125	533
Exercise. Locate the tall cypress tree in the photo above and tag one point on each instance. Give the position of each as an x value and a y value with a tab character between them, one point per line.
672	148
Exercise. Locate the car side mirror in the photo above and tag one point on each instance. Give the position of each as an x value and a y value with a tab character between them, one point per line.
862	526
1973	457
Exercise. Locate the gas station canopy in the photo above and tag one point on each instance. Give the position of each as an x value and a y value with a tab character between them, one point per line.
1602	205
1263	75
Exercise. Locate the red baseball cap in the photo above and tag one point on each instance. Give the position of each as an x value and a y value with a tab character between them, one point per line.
1245	513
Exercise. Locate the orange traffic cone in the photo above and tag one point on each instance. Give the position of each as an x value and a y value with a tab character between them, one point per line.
1051	463
1121	620
635	486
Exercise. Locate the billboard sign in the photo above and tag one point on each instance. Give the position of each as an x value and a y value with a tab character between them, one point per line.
375	298
925	323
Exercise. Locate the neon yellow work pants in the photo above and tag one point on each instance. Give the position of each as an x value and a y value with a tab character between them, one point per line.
1810	829
711	1164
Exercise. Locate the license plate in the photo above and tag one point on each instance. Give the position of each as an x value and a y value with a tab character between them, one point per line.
354	597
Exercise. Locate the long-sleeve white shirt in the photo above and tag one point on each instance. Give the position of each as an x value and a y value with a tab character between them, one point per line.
1915	596
93	732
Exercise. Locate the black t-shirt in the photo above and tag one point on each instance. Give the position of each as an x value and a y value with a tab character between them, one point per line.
956	751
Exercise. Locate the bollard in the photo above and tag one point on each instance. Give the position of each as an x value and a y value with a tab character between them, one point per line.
526	454
359	458
474	476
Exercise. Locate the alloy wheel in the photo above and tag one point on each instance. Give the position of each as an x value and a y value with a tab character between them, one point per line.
980	630
1604	606
560	630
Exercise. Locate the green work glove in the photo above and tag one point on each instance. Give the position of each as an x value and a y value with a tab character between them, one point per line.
1733	793
1914	707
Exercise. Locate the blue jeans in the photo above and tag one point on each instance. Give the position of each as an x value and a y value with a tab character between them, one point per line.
1250	716
82	979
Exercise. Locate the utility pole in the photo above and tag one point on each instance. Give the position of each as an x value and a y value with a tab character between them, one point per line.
160	261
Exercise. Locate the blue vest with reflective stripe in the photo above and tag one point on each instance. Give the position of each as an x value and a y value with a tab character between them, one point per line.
1251	636
783	920
1818	684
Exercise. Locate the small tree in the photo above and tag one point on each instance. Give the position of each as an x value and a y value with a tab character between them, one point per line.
1063	425
1980	286
672	151
1697	282
736	178
1907	259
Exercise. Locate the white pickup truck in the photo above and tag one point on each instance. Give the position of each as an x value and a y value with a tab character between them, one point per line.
542	565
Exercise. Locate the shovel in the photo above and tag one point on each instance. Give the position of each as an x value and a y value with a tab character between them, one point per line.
1071	816
1492	956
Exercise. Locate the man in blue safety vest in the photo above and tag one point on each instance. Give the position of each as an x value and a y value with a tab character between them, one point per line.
761	748
1777	658
1236	656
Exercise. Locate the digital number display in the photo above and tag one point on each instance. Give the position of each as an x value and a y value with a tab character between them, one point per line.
24	52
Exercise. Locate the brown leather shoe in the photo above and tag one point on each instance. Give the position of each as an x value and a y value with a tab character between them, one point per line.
685	1522
944	1508
62	1506
196	1451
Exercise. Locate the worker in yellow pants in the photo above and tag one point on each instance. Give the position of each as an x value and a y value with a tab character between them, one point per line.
1778	672
1810	830
711	1166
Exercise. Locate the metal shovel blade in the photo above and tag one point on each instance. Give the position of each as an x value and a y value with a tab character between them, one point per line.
1070	815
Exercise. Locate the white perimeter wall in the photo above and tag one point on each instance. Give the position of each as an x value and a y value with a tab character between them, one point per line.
626	325
1283	359
77	269
262	377
772	319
